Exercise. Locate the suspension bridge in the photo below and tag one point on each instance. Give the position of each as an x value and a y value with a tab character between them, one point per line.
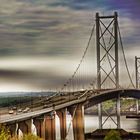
105	86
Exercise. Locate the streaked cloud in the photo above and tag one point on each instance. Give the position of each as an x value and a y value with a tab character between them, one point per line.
41	42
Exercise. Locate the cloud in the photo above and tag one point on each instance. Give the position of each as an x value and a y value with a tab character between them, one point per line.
52	36
79	4
38	30
40	73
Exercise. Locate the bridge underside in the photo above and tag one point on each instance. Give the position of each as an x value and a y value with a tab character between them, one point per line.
111	94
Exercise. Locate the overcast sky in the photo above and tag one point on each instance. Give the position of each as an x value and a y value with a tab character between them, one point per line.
42	41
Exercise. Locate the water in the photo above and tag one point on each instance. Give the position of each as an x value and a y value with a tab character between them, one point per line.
130	125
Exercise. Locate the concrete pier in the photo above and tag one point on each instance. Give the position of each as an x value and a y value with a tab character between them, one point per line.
63	128
40	126
25	126
77	112
50	131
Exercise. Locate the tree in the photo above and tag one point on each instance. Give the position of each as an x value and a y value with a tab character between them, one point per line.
112	135
31	137
4	135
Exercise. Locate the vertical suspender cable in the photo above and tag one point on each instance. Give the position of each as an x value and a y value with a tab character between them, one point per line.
75	72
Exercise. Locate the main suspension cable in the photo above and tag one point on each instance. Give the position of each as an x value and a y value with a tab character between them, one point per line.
125	61
83	56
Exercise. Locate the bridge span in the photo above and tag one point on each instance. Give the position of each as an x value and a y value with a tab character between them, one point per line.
44	117
111	94
92	97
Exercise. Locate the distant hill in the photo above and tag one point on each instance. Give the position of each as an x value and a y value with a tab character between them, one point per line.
21	94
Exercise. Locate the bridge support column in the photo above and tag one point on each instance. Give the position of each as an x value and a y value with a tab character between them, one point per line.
12	128
25	126
50	131
137	106
100	115
77	112
40	126
118	112
63	128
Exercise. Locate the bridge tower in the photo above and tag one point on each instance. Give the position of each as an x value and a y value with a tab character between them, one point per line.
137	67
104	51
107	52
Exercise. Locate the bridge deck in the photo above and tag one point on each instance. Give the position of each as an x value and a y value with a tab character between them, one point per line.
89	98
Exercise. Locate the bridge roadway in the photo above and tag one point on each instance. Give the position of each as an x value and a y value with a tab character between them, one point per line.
25	116
89	98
